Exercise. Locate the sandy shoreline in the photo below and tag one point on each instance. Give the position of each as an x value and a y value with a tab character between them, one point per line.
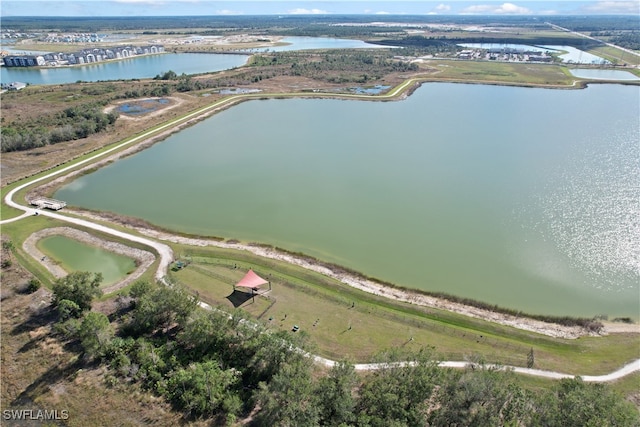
372	287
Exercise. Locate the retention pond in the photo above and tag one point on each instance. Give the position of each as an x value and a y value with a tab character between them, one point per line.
73	255
524	198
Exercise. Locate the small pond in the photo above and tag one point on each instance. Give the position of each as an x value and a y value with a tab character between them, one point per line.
238	91
73	255
369	90
600	74
142	107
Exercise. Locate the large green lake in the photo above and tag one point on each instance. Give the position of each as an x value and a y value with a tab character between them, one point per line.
526	198
74	255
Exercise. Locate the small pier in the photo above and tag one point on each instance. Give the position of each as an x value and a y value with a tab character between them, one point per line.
43	202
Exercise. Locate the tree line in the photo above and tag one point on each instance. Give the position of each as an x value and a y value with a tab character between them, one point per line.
312	24
223	367
435	44
73	123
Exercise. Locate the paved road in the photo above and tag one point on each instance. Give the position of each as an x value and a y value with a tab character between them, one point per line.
166	254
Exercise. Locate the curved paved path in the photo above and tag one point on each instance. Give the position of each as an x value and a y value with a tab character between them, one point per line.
166	253
627	369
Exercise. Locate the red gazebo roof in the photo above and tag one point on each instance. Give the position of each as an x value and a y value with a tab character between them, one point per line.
251	280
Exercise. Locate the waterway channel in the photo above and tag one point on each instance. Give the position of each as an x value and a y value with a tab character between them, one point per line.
525	198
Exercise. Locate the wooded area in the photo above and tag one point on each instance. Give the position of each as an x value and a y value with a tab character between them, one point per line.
215	365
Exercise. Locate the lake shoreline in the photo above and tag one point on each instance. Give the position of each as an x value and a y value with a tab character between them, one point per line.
354	280
360	282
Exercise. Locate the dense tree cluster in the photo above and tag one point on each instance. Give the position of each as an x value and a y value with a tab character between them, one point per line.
72	123
335	67
630	40
596	22
224	367
439	44
78	288
316	25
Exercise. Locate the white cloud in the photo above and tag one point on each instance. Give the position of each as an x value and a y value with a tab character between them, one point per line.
503	9
604	7
510	8
442	8
382	12
301	11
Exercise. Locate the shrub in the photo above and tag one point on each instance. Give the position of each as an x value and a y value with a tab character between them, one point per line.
33	285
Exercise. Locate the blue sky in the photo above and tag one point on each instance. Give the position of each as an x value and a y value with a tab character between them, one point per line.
268	7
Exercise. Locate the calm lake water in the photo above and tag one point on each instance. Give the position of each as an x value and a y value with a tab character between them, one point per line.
305	43
526	198
135	68
77	256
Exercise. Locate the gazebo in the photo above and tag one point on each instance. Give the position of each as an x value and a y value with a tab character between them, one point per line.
252	281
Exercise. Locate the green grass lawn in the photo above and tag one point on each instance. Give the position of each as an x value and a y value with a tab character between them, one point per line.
501	72
616	55
343	322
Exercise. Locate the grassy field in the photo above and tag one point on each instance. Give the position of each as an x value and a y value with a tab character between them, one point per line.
501	72
346	323
617	56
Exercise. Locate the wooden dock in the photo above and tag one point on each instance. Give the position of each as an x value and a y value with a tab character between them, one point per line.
45	203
